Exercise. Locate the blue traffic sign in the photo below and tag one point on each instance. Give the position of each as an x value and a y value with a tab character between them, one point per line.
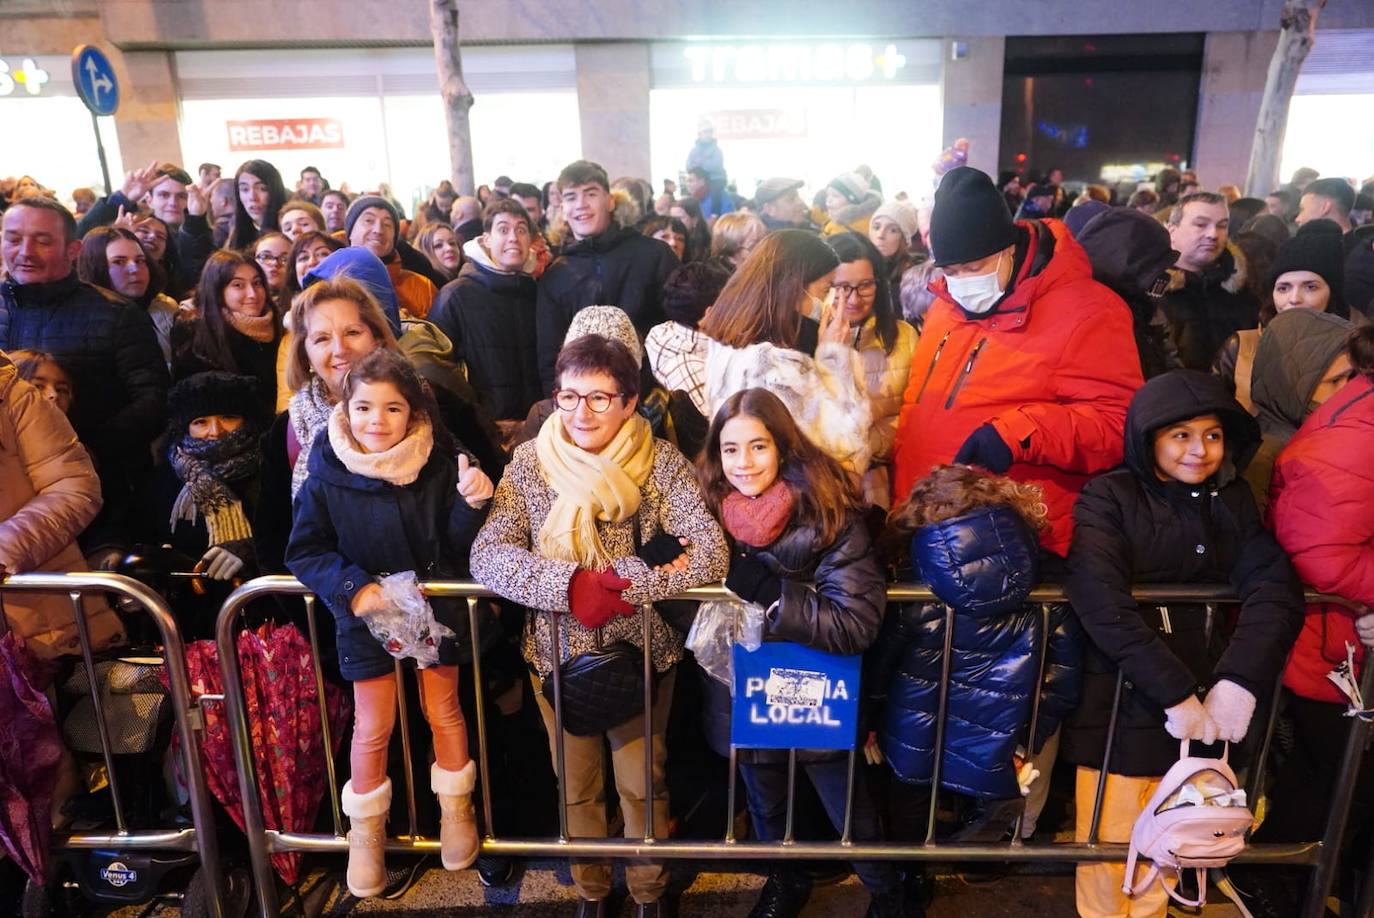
95	81
787	696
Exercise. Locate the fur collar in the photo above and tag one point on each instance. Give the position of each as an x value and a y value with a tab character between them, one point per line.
1231	270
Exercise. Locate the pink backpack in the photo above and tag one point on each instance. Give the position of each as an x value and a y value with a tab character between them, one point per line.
1196	819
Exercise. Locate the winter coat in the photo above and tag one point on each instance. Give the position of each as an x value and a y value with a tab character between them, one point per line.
349	529
110	349
885	376
1319	507
1203	310
620	268
677	356
257	359
984	562
826	395
504	559
706	154
48	493
488	314
414	292
1293	355
1052	368
1133	528
913	290
833	598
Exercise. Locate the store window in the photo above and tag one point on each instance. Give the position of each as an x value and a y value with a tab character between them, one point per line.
1328	124
364	117
47	131
805	110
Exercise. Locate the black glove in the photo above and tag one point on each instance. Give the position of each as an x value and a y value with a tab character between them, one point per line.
750	579
661	549
985	447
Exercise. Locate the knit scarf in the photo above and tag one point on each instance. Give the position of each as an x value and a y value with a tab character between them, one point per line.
590	487
758	521
259	328
309	413
207	467
399	465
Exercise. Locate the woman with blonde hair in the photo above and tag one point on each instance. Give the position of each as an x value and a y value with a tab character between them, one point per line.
756	327
734	236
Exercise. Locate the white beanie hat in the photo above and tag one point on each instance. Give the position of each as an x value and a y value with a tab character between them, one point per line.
901	213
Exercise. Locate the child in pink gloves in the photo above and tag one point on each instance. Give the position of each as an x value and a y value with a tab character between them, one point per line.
1175	512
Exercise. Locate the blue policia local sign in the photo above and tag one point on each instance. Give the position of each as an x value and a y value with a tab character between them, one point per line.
792	697
95	81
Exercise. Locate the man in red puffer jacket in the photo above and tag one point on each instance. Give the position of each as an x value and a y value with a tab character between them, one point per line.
1025	365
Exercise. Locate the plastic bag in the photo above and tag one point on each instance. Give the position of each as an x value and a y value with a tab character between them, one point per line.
718	626
407	628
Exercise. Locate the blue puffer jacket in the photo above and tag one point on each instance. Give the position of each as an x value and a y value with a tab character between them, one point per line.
984	564
350	529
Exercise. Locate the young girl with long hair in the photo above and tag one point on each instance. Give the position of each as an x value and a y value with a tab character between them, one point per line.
383	495
235	327
261	195
113	257
799	549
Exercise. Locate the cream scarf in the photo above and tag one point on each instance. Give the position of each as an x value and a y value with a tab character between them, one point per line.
259	328
590	487
399	465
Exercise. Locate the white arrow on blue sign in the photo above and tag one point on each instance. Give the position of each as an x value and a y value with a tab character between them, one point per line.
95	81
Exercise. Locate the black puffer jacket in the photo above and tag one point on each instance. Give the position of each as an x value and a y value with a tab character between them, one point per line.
1205	309
1129	250
840	614
489	317
618	268
1132	528
108	346
983	564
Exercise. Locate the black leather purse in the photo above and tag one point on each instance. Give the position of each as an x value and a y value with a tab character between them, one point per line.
602	688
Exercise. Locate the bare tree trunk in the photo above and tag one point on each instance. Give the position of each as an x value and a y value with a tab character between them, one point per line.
1298	23
443	26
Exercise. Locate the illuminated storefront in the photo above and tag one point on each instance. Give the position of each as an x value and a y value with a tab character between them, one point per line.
369	116
47	131
804	109
1336	87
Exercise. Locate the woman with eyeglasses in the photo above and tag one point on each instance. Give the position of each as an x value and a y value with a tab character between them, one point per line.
272	252
235	327
885	344
756	331
593	521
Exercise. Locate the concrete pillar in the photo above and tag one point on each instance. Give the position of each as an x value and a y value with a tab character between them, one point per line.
613	101
971	91
147	120
1234	66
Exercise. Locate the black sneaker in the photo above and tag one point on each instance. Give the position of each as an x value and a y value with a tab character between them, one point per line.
493	870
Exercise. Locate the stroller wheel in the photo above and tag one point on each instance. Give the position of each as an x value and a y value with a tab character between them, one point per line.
238	894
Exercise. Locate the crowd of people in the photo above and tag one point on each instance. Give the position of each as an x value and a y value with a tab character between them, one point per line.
590	397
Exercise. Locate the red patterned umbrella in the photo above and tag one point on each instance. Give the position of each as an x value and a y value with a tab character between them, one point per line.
284	720
30	750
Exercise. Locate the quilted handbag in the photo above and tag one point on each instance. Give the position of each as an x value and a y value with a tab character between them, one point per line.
602	688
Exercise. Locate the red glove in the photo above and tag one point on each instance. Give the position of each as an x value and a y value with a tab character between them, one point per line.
594	596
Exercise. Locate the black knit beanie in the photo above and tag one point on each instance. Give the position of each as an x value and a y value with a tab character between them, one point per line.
1317	247
970	219
215	392
355	210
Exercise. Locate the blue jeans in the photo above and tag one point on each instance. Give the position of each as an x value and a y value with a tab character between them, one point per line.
766	788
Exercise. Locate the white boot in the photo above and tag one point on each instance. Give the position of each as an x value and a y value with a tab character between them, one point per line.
366	837
458	824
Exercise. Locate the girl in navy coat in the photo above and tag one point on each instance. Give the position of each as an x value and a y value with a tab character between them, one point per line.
384	495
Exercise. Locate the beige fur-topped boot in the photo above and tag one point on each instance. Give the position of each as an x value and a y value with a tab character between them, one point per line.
458	823
366	838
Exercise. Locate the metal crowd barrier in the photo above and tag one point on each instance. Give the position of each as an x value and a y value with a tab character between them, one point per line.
201	837
1319	854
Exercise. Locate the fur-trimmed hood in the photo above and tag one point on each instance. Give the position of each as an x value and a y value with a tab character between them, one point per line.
1231	269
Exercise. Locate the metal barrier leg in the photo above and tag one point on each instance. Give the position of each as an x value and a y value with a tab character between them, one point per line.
650	795
479	695
406	750
1101	792
1254	788
101	725
1035	710
787	838
937	767
1324	873
326	730
845	833
730	798
560	760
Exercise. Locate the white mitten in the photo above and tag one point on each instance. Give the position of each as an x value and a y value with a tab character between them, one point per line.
1189	720
1365	626
1231	706
220	563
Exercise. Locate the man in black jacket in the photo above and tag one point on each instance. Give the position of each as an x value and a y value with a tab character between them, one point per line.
604	265
107	346
488	312
1208	299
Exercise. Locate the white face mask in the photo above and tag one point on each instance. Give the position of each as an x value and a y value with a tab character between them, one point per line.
977	294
